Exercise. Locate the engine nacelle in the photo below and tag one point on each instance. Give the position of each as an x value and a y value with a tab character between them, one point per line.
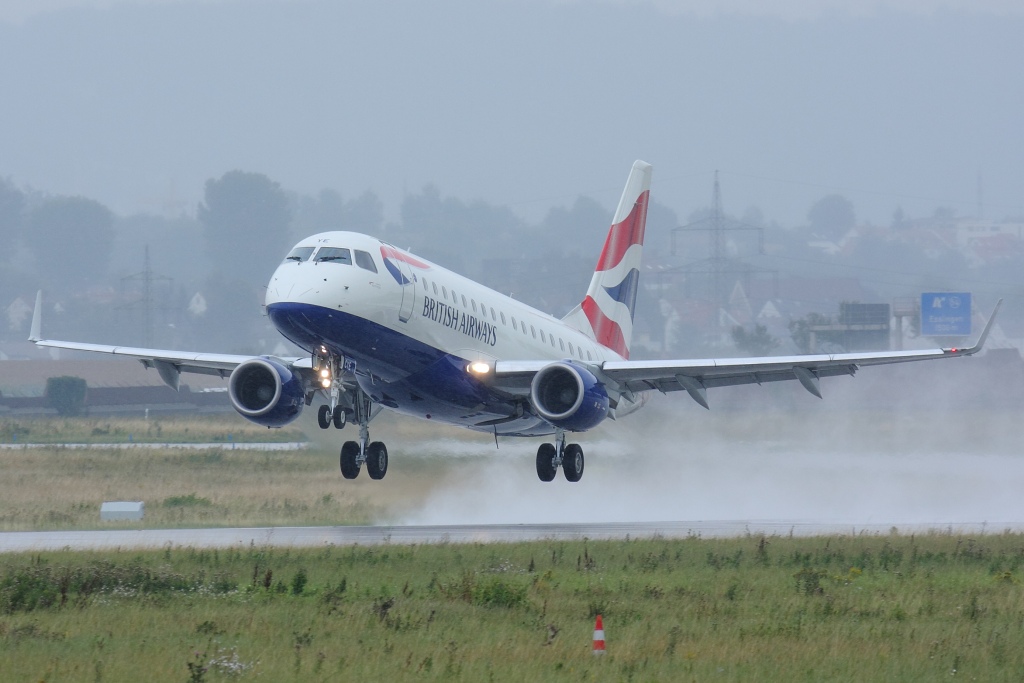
266	392
569	396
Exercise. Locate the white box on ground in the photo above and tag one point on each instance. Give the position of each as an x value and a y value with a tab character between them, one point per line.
121	510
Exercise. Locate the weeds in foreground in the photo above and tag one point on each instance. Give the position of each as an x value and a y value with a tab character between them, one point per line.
841	608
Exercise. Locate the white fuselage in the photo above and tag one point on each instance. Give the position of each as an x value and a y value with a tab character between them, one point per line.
397	315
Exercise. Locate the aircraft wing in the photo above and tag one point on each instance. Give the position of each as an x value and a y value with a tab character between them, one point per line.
696	376
170	364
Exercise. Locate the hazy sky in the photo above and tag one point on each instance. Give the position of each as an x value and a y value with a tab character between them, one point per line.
893	103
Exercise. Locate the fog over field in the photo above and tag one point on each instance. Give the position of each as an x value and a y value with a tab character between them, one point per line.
526	104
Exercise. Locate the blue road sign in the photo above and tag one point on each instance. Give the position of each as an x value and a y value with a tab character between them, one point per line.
946	314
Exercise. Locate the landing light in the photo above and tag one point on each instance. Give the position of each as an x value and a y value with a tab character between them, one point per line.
325	383
325	373
479	368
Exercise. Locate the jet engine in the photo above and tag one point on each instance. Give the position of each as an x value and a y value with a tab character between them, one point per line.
569	396
266	392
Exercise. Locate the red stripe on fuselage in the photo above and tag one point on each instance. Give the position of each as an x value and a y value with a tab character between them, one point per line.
625	234
391	252
607	331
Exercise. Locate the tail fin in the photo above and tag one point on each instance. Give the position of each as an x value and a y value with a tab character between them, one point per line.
606	313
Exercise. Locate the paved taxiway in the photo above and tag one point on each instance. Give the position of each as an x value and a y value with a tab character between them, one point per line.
308	537
134	445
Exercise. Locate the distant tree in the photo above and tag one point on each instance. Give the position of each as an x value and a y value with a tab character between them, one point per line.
365	213
832	217
310	215
899	218
757	342
66	394
577	229
12	204
231	313
245	218
71	238
328	211
447	230
800	330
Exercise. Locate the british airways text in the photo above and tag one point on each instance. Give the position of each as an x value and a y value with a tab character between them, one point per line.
469	325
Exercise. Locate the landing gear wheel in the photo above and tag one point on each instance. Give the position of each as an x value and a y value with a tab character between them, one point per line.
350	460
546	462
338	418
572	462
323	416
377	460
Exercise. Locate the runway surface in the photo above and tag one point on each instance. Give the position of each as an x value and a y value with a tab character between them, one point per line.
308	537
225	445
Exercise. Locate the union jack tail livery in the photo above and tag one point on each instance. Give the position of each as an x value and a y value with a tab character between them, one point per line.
606	314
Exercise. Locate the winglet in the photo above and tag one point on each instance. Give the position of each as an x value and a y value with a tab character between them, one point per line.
981	340
35	334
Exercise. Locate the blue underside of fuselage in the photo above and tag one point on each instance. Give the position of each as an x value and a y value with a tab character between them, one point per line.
402	373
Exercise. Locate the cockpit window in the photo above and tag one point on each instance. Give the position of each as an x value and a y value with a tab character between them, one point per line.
334	255
300	254
365	261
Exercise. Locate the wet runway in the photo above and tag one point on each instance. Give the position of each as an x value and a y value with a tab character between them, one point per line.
310	537
226	445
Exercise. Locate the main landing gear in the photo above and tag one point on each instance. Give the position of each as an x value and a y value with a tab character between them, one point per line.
551	456
354	454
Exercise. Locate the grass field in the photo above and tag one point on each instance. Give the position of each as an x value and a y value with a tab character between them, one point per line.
890	608
175	428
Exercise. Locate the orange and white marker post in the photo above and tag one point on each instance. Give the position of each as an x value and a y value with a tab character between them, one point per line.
599	636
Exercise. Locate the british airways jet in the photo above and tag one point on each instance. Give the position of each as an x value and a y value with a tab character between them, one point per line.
383	328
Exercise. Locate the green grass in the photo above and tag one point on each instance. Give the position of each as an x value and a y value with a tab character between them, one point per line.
50	488
183	428
808	609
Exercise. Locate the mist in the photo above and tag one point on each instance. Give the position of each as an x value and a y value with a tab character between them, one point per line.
911	458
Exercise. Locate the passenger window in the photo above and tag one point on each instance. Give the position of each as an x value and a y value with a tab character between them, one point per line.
474	305
571	351
334	255
515	325
464	304
562	344
552	338
455	297
445	290
589	357
542	336
503	318
434	285
300	254
534	330
365	261
494	316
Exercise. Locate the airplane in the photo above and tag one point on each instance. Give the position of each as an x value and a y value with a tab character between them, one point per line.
385	329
